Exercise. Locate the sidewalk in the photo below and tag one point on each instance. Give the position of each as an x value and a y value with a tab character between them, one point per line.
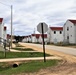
28	59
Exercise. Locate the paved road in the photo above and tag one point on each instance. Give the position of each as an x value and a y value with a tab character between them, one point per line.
66	50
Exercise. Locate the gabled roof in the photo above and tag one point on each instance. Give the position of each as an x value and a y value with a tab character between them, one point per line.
1	19
56	28
73	21
38	35
45	36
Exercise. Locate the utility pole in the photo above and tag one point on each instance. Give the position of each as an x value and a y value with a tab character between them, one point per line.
11	25
11	22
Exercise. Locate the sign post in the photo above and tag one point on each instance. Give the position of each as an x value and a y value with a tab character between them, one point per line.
43	41
42	28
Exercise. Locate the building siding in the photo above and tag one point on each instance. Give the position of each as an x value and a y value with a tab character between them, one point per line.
69	33
54	38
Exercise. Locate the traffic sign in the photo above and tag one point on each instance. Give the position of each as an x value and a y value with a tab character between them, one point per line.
42	28
39	27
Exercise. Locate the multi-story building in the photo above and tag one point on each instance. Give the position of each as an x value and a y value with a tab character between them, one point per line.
69	29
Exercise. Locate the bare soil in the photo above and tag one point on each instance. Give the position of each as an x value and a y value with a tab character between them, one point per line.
67	67
63	68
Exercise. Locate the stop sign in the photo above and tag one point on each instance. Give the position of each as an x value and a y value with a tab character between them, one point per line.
39	27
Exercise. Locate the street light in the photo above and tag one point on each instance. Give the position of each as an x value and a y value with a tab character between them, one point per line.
11	20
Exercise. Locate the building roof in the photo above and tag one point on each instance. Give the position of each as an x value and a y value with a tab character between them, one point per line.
45	35
38	35
73	21
1	19
56	28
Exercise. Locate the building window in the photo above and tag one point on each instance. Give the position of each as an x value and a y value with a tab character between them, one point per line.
54	32
67	28
67	37
60	32
71	35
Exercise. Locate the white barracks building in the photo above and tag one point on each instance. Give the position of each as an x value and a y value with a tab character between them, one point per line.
70	31
55	34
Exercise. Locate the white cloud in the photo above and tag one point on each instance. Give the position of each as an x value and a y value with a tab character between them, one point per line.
28	13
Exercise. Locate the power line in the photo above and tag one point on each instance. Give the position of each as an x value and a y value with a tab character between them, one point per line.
5	4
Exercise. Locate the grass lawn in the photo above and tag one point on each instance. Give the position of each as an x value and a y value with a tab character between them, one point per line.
23	49
21	54
32	66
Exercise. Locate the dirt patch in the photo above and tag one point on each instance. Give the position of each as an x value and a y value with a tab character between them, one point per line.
66	68
63	68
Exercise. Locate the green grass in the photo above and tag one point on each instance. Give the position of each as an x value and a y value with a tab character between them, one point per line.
23	49
21	54
28	67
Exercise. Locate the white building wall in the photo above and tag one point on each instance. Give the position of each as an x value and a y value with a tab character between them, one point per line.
41	40
52	38
37	39
49	35
69	33
56	37
24	40
4	35
29	39
1	31
75	33
33	39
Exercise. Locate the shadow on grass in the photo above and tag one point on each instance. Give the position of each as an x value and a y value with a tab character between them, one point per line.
23	49
22	54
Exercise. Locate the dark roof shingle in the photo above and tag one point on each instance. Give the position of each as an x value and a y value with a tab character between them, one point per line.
73	21
1	19
56	28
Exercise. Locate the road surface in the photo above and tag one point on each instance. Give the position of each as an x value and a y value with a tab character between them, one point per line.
67	50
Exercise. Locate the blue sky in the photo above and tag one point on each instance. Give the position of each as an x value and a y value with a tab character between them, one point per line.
27	14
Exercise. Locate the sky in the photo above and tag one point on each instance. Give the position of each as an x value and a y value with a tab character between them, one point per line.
27	14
